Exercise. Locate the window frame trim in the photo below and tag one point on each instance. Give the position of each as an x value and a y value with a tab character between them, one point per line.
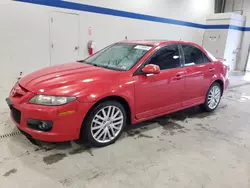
139	70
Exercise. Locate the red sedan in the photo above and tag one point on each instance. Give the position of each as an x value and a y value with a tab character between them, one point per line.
125	83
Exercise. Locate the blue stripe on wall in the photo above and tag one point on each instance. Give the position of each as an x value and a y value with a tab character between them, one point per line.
125	14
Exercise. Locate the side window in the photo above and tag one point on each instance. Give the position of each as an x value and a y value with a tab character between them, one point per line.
166	58
193	55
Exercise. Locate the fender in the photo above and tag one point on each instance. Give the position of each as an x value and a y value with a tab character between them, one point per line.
125	90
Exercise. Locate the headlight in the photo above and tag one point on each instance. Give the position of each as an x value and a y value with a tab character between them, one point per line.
51	100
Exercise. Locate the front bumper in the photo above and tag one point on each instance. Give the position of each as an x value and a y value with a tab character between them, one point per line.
66	126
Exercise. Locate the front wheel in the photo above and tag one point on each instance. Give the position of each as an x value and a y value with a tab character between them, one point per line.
212	98
105	123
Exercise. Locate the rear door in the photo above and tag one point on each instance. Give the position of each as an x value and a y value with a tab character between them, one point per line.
160	93
199	72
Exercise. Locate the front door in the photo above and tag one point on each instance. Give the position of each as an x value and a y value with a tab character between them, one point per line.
64	38
160	93
199	72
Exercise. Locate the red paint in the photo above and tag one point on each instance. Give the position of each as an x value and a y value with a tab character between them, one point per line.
148	96
151	69
90	47
90	31
90	50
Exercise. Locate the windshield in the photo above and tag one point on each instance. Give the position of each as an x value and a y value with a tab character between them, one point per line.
119	56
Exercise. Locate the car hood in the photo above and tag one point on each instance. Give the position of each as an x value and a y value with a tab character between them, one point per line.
67	79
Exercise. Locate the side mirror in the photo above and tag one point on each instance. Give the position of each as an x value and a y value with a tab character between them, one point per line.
151	69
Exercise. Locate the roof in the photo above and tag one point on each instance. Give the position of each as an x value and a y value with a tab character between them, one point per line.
145	42
156	42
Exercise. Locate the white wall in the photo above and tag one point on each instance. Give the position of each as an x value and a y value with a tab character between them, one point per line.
186	10
24	36
24	40
241	6
224	43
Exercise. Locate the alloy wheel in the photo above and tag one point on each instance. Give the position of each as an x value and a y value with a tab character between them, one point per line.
107	124
214	96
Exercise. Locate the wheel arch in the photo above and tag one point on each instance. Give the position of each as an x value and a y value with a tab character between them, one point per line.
220	82
116	98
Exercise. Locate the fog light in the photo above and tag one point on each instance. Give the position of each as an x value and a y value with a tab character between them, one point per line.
43	126
40	125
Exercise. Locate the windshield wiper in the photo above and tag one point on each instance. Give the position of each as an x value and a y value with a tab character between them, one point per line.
83	61
97	65
94	64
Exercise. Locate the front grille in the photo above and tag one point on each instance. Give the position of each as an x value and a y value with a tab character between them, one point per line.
16	114
23	89
18	91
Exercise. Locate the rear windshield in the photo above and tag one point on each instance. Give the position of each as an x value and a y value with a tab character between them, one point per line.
120	56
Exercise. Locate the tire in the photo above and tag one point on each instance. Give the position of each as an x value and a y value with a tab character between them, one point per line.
100	127
207	106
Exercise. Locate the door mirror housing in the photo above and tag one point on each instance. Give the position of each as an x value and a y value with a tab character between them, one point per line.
151	69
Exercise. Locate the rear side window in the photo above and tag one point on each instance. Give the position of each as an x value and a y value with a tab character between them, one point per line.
166	58
206	60
193	55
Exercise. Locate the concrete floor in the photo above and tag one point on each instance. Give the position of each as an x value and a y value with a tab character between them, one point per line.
189	148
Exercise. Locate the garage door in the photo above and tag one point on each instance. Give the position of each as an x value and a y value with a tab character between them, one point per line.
64	37
212	42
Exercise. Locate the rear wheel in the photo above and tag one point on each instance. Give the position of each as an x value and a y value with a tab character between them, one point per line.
212	98
105	123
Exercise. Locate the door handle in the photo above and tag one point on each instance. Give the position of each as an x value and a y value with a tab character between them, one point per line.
179	77
211	69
